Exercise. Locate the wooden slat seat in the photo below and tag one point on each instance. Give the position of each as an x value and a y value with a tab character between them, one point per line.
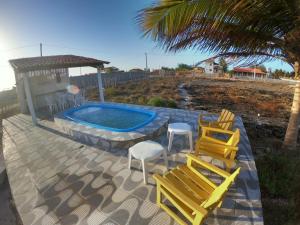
225	120
191	192
224	149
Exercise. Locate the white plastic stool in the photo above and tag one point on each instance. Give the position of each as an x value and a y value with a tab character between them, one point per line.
181	129
146	151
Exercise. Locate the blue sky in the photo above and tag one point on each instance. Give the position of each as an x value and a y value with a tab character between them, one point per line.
102	29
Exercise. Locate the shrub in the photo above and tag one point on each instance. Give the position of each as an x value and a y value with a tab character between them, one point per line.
111	91
157	101
279	178
160	102
278	174
171	104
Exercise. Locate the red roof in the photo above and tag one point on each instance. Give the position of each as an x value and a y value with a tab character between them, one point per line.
248	70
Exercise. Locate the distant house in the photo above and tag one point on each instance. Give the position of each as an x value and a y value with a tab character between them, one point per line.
163	72
249	73
111	69
210	66
136	70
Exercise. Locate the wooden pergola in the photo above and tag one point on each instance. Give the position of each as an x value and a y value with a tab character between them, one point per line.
28	73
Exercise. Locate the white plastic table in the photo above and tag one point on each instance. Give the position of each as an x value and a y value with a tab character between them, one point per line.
180	129
146	151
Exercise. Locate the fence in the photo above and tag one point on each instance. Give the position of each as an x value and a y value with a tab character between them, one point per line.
9	105
108	79
9	110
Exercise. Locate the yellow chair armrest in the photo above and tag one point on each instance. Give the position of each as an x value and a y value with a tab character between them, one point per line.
232	148
212	145
216	130
215	140
207	165
179	194
226	121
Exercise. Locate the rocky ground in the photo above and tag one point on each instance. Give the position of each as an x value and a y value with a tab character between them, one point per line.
264	106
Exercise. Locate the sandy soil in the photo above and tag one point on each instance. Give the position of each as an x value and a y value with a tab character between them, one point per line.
264	106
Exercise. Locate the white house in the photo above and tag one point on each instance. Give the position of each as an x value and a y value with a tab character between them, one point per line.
210	66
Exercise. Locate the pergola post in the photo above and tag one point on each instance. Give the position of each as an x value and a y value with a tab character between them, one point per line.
29	99
100	84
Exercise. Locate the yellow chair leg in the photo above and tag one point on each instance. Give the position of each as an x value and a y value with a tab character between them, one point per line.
198	219
220	204
228	167
158	194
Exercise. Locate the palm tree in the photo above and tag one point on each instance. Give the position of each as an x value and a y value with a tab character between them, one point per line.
250	31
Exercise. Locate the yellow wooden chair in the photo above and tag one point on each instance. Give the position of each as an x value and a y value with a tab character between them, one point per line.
225	120
190	191
224	149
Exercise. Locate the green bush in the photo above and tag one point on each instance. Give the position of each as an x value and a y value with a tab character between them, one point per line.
157	101
160	102
278	174
111	91
279	179
171	104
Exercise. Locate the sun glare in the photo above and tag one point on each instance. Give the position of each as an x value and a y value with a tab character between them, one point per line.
6	72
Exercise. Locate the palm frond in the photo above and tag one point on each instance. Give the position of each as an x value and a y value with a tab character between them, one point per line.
251	29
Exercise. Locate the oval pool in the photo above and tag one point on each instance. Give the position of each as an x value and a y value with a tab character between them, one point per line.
110	117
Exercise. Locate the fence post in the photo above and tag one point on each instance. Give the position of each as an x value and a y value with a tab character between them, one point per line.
29	98
101	94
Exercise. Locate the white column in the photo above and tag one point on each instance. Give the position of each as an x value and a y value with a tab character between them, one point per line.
101	94
29	99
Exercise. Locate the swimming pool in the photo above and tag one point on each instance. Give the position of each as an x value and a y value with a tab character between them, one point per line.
110	117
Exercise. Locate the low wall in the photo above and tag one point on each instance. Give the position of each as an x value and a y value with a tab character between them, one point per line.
109	140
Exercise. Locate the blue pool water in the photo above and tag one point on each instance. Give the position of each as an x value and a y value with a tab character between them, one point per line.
111	117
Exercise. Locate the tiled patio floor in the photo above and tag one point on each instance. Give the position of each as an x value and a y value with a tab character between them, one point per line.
56	180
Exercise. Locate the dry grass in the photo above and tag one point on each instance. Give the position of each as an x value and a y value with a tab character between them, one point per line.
141	92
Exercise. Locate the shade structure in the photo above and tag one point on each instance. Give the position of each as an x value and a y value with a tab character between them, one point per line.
54	62
27	68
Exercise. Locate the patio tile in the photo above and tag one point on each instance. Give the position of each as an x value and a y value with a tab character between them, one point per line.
109	222
55	179
162	218
83	215
134	211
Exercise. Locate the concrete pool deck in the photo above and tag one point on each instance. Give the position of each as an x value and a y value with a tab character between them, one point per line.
57	180
106	139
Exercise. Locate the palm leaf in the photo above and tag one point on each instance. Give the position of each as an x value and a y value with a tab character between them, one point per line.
250	29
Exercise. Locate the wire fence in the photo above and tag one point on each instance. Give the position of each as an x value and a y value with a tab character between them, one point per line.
9	110
108	79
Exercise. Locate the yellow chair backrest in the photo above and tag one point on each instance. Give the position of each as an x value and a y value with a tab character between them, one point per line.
234	139
221	117
226	116
218	194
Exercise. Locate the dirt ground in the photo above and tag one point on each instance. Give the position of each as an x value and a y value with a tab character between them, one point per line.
264	106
